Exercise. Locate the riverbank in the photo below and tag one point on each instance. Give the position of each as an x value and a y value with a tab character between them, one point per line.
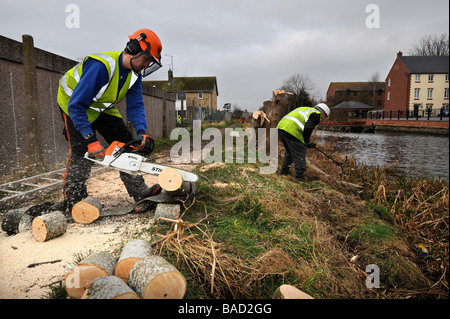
247	233
401	125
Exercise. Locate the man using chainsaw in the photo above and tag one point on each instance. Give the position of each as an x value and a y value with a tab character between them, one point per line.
87	95
295	131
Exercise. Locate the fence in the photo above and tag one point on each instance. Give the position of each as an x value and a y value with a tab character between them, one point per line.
441	115
31	124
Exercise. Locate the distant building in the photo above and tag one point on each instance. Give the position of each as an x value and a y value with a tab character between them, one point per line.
369	93
195	92
418	84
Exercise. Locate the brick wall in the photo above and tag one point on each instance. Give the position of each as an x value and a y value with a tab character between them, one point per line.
397	87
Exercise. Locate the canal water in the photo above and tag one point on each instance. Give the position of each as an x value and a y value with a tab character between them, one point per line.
409	153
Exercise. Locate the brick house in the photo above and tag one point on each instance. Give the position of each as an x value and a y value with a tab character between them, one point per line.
369	93
418	84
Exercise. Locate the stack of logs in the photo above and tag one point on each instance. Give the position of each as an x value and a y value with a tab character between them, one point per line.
48	224
137	274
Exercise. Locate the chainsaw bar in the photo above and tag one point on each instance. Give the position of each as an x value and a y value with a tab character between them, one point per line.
133	163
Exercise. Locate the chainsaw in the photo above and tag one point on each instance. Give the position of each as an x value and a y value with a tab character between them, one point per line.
127	158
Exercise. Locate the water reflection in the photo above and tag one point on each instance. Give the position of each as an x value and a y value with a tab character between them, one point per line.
412	154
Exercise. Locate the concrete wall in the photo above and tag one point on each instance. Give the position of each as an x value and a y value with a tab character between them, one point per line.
52	146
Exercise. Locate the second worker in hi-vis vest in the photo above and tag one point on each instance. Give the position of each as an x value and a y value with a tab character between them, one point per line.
295	131
87	96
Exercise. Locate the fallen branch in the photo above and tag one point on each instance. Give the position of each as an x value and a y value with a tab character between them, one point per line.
44	262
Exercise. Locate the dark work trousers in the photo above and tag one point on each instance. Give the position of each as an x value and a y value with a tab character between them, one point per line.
112	128
295	152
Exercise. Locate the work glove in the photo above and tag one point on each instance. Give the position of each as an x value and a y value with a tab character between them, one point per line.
96	151
147	144
311	145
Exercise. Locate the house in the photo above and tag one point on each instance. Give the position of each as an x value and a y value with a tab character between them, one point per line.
370	93
197	95
418	84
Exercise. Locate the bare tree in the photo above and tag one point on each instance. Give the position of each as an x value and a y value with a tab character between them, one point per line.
373	80
431	45
302	86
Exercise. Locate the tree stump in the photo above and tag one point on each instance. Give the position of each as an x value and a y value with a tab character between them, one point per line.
155	278
80	277
87	211
110	287
49	226
290	292
11	220
133	251
170	211
170	179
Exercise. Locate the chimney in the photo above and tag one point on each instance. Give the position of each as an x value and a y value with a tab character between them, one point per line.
170	82
399	54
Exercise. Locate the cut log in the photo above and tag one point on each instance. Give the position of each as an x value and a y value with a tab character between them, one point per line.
155	278
26	223
170	211
87	211
80	277
11	220
110	287
290	292
170	179
184	189
49	226
133	251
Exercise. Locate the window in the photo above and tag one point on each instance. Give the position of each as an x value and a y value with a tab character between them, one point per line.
446	93
389	96
181	95
430	94
430	77
416	94
446	78
417	78
200	95
389	82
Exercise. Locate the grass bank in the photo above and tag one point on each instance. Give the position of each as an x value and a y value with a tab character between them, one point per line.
260	231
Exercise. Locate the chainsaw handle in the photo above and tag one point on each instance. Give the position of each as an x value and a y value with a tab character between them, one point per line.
147	149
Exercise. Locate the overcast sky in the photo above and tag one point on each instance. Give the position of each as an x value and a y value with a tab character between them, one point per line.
251	46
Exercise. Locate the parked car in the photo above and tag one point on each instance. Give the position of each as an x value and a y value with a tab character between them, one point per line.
445	113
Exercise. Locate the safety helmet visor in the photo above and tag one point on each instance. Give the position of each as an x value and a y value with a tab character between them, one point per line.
153	67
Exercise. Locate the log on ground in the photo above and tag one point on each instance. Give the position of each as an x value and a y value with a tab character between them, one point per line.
11	220
87	211
49	226
110	287
155	278
132	252
290	292
80	277
170	211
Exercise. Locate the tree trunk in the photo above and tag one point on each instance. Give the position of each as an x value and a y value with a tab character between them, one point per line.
87	211
170	179
49	226
80	277
290	292
170	211
133	251
155	278
110	287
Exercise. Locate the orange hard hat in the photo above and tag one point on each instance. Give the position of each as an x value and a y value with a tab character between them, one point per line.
149	43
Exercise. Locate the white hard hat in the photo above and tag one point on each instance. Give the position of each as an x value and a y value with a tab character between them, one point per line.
323	108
